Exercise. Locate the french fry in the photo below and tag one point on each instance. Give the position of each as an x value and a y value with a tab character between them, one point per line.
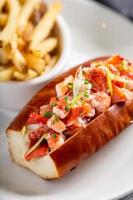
11	26
2	3
22	1
5	55
31	74
19	76
46	46
25	40
19	61
2	67
17	57
25	76
25	33
45	25
3	19
21	43
47	58
26	12
34	62
6	74
13	43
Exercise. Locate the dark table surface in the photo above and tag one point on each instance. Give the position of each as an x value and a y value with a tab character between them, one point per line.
123	6
126	8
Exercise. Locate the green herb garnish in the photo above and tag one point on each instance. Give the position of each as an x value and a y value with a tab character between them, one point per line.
53	104
126	83
66	98
86	81
75	100
67	108
86	94
70	85
54	135
56	119
47	114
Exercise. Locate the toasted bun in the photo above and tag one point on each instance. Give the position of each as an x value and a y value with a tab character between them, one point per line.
82	144
43	167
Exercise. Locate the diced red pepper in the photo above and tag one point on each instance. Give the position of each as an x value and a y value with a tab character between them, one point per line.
38	152
35	118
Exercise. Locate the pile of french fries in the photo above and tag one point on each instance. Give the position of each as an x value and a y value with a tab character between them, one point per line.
28	43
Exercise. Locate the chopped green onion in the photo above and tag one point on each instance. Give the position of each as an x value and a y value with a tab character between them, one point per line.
66	98
86	94
126	82
75	100
53	104
54	135
86	81
70	85
67	108
47	114
56	119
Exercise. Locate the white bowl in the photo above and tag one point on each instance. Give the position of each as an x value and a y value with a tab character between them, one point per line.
14	95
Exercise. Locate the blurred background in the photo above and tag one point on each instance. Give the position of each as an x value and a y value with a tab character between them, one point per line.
123	6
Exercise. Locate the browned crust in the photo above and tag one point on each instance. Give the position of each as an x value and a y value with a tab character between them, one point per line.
97	133
20	120
87	140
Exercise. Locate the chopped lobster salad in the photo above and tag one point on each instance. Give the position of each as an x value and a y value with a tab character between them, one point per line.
79	99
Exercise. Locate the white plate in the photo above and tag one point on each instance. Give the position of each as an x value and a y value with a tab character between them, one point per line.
108	174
